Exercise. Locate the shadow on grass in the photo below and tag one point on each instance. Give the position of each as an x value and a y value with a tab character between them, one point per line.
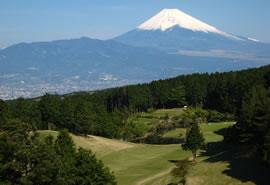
158	140
242	165
174	161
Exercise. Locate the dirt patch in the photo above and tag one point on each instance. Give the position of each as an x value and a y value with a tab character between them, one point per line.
194	181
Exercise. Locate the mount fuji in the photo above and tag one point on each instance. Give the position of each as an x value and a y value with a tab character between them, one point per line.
174	31
169	44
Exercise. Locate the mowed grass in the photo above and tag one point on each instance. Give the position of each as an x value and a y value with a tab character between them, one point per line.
207	173
139	165
170	112
208	130
131	163
212	173
176	133
143	164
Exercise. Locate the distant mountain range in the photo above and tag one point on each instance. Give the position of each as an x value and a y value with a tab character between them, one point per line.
169	44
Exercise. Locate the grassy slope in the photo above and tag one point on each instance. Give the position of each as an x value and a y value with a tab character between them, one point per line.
131	163
135	164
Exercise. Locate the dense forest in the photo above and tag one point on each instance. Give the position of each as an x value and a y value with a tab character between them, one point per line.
243	94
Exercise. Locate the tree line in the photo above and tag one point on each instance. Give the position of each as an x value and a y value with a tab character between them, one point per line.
105	112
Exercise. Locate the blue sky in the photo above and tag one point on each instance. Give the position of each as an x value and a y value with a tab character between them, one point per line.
42	20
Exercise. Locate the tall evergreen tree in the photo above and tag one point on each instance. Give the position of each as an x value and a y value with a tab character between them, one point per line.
252	122
177	97
90	171
194	140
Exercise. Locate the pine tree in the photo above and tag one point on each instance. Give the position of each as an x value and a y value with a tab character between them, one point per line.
194	140
65	149
177	97
89	170
44	163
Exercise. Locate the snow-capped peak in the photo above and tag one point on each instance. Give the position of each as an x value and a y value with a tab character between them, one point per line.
168	18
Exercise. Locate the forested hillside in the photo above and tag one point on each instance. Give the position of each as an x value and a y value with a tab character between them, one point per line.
245	94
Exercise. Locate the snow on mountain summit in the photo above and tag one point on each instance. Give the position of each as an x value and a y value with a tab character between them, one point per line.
168	18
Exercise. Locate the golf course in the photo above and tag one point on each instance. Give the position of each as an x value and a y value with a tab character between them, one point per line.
147	164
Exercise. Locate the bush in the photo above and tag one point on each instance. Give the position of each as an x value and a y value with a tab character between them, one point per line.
215	116
181	170
157	139
133	130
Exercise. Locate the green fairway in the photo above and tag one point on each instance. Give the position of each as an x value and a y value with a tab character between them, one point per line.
142	163
131	163
139	164
170	112
210	128
176	133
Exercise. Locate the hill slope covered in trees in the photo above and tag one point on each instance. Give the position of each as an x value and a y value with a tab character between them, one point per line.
245	94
